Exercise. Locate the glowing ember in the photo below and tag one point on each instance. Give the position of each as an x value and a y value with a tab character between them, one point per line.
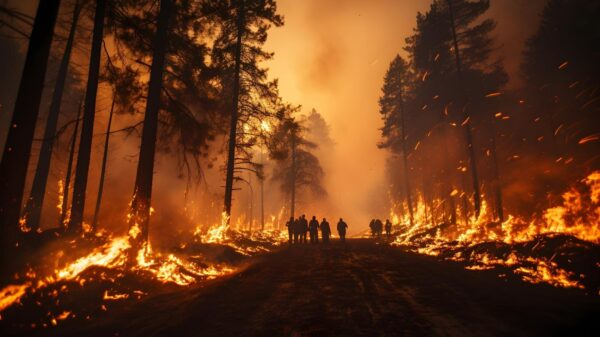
578	216
11	294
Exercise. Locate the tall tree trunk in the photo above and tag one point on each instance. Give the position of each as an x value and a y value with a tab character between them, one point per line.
17	149
103	168
65	203
234	112
33	208
293	198
140	205
87	129
262	190
496	174
467	117
407	189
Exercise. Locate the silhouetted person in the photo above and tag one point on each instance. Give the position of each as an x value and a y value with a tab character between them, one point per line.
388	228
313	227
325	230
303	228
297	230
290	228
342	227
372	227
378	228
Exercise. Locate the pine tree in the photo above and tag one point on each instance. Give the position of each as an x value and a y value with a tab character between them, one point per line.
298	170
237	54
33	208
87	127
17	150
141	203
561	72
391	104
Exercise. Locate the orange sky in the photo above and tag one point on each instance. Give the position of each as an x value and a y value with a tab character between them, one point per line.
332	55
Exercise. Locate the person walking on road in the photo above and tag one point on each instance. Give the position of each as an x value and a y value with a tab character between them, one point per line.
342	227
290	228
388	228
303	229
297	230
378	228
325	230
313	227
372	227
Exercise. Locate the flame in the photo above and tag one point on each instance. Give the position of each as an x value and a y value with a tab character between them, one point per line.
61	195
110	297
578	215
11	294
23	224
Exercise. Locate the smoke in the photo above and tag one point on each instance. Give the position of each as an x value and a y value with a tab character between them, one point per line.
330	55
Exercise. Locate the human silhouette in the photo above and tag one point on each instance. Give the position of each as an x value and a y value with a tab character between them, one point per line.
372	227
303	229
297	230
388	228
313	227
342	227
290	228
378	228
325	230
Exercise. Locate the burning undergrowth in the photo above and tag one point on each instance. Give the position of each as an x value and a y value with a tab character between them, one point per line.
560	246
85	278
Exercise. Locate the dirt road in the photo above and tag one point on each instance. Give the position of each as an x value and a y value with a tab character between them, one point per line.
358	289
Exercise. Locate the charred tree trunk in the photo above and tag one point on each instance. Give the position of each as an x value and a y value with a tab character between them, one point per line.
103	168
87	129
293	175
65	204
33	208
467	117
262	191
140	205
407	190
13	168
234	112
496	176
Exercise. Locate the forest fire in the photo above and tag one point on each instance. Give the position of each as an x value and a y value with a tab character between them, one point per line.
223	167
244	242
482	242
111	259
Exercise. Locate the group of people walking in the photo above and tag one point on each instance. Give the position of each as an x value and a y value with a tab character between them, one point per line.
377	227
300	229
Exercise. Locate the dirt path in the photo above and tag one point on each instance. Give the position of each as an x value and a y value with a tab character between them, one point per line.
358	289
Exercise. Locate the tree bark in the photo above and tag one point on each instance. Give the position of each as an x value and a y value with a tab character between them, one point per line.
103	167
407	190
87	129
293	198
496	174
15	159
33	208
262	191
234	113
65	204
467	118
140	205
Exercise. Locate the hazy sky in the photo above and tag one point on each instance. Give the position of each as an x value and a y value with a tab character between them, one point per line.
332	55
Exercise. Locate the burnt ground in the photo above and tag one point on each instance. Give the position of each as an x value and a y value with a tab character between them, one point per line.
361	288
